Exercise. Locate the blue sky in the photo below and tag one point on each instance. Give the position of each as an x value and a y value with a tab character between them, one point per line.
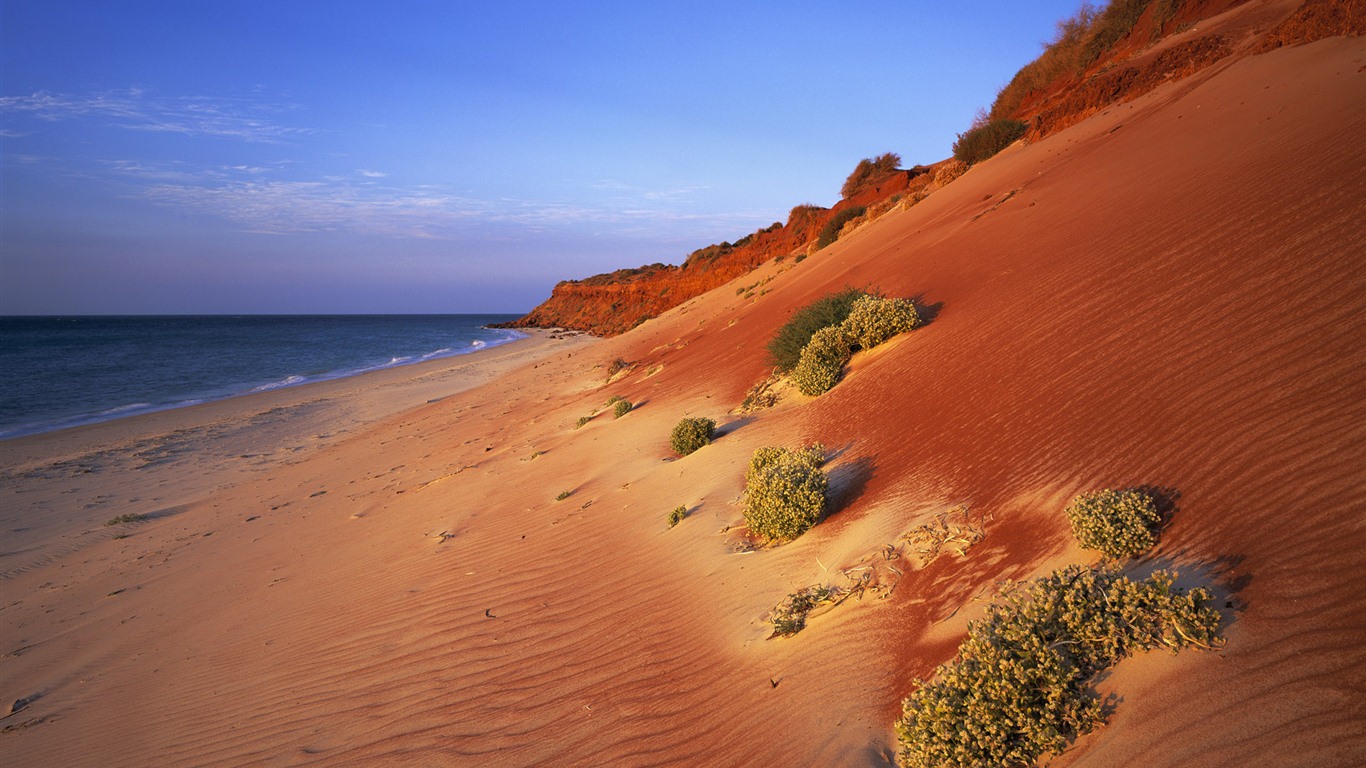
296	156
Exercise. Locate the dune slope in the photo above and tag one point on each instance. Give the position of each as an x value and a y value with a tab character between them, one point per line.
1169	292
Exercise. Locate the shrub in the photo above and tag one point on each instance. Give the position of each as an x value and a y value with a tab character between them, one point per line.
676	516
621	408
822	361
980	143
785	348
831	231
873	320
1118	523
1017	688
582	421
131	517
691	433
785	492
620	364
564	495
868	170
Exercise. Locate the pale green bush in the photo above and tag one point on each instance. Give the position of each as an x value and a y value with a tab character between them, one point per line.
621	408
1119	523
822	361
1018	686
690	434
873	320
785	491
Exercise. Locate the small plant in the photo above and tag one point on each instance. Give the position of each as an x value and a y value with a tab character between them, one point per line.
978	144
954	530
949	171
785	491
621	408
691	433
535	454
831	231
1019	685
131	517
1118	523
799	258
676	516
789	617
785	348
822	361
617	366
873	320
564	495
582	420
612	400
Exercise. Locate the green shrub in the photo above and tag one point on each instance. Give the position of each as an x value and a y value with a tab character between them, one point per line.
564	495
785	492
676	516
980	143
1118	523
822	361
691	433
869	170
582	421
1018	686
131	517
785	348
621	408
873	320
831	231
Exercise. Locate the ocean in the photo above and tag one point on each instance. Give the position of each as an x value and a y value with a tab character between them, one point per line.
58	372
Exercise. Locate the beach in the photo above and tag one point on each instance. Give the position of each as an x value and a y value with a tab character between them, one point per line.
469	561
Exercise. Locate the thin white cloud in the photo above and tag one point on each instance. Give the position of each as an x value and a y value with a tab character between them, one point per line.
134	109
372	174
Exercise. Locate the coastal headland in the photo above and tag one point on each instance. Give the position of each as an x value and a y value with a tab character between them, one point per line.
470	562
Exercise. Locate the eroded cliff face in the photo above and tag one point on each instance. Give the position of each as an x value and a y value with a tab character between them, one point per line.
1168	40
616	302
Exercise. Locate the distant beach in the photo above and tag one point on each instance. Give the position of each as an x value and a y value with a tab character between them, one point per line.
69	371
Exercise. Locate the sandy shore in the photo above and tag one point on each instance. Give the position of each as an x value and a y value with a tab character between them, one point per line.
433	565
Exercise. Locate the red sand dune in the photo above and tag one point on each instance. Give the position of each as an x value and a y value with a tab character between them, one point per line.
1171	292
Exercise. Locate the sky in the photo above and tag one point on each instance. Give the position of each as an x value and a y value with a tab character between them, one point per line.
313	156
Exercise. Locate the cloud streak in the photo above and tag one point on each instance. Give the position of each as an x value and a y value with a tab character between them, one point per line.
135	109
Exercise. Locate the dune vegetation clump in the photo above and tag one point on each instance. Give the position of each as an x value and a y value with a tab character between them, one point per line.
785	491
868	171
1120	523
789	617
831	231
785	348
873	320
621	408
1018	686
691	433
983	141
676	516
822	361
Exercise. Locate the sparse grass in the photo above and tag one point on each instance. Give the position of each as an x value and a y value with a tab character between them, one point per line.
831	231
691	433
953	530
1019	686
676	516
131	517
785	491
583	420
1120	523
979	143
785	348
621	408
564	495
789	617
869	170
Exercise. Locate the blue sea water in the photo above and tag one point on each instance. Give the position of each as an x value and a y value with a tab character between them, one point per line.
58	372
